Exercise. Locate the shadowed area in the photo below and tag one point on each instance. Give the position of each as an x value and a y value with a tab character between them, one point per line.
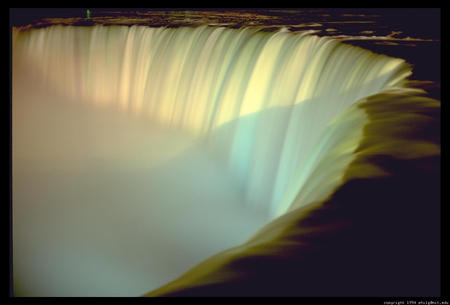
377	234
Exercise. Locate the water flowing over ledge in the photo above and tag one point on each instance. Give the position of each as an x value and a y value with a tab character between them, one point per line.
281	113
262	99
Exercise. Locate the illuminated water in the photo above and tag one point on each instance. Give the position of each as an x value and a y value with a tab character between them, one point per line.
138	152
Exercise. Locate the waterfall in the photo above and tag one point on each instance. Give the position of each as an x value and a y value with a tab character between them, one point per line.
260	99
276	112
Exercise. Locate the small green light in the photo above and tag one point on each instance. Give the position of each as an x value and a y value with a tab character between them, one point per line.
88	13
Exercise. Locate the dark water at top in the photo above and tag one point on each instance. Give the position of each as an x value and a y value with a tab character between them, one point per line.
422	23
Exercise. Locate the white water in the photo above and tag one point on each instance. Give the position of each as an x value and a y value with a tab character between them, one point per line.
138	152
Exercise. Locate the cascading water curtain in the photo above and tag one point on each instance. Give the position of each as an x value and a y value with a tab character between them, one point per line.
139	152
261	99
